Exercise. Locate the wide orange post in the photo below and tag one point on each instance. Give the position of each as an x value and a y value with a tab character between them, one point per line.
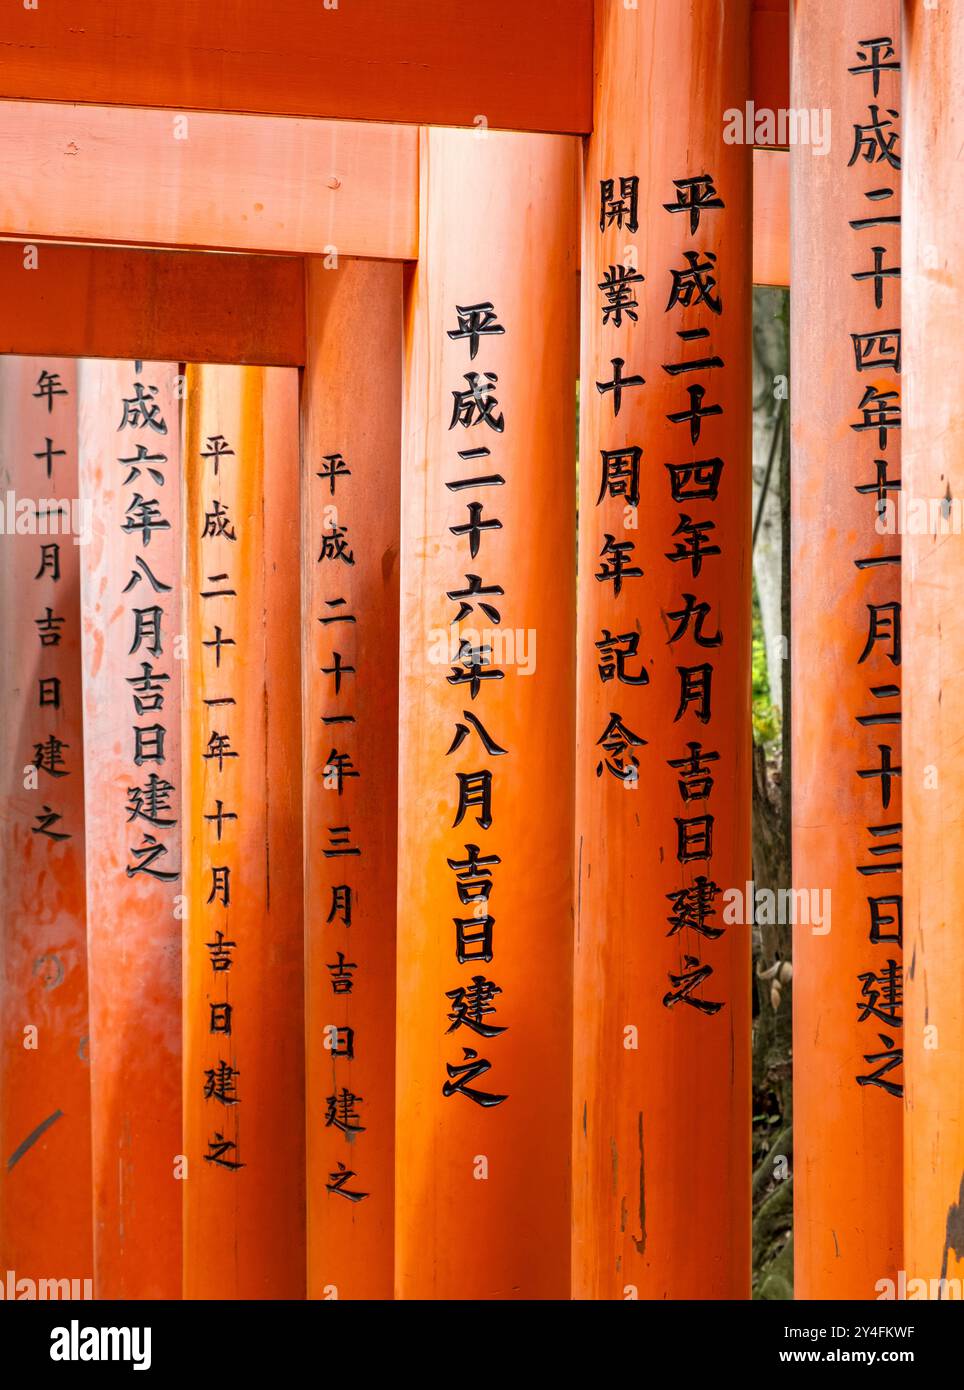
129	464
662	997
845	573
933	580
45	1199
482	1175
243	944
351	469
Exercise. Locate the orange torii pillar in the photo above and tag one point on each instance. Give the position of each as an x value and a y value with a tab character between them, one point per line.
242	866
482	1176
129	464
351	412
845	575
933	486
662	996
45	1201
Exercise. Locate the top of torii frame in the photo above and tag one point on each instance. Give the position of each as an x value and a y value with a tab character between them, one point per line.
508	66
341	89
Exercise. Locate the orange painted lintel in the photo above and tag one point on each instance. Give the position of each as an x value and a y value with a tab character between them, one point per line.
524	66
179	306
419	63
208	182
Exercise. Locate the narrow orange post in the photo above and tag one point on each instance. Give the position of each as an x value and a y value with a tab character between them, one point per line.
845	575
933	304
129	463
244	1093
482	1175
45	1201
662	998
351	468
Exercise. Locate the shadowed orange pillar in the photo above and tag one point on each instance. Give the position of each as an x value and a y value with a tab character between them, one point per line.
933	303
661	1165
845	575
351	411
243	944
485	775
129	463
45	1203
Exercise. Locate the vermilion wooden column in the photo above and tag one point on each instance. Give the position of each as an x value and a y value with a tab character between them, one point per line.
662	1069
45	1202
845	573
486	708
933	303
243	946
129	461
351	468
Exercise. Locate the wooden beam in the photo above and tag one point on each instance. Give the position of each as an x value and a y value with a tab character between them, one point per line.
201	181
181	306
517	66
845	588
933	480
414	61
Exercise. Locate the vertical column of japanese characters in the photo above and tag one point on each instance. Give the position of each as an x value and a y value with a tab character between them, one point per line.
222	570
471	1001
45	1084
694	488
50	754
875	227
339	666
150	806
129	456
695	485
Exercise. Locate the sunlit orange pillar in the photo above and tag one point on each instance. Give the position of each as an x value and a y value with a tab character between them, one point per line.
129	463
482	1174
845	575
661	1162
351	469
933	303
45	1201
243	943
